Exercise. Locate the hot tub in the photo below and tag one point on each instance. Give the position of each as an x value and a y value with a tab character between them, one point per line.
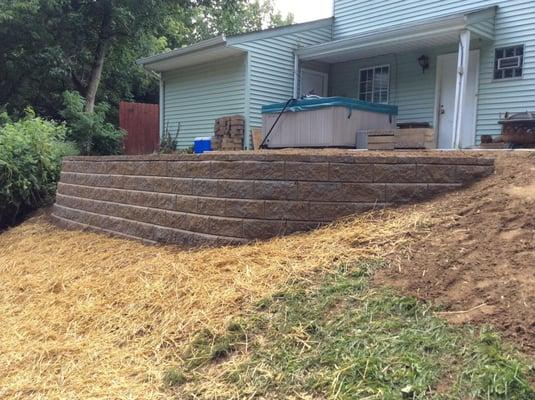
324	121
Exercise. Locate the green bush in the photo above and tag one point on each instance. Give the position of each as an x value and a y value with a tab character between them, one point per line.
30	161
90	131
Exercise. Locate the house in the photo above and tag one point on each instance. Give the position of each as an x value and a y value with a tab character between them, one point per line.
457	65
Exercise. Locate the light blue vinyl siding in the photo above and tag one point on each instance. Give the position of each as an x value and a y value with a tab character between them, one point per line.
271	67
413	91
515	24
195	96
357	16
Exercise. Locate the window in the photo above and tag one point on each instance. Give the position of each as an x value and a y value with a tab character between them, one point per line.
374	84
508	62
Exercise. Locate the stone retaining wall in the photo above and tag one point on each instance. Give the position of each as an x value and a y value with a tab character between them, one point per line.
228	198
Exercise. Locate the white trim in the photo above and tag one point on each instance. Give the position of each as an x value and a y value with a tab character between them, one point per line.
373	67
324	75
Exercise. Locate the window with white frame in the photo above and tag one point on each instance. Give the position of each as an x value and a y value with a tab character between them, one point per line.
508	62
374	84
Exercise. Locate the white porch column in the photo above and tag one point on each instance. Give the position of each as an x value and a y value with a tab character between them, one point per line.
460	89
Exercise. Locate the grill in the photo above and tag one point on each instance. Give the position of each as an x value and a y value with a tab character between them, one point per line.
518	128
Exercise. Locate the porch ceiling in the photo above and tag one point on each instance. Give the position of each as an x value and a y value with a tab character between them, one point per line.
404	37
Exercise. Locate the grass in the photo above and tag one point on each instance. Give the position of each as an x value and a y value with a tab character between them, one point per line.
336	337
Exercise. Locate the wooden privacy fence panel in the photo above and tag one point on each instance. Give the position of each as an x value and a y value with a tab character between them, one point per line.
141	122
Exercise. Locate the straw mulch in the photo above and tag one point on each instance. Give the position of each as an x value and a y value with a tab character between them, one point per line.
83	315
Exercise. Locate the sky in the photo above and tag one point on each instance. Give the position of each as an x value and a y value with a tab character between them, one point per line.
306	10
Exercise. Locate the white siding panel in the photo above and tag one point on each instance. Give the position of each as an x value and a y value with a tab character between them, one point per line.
196	96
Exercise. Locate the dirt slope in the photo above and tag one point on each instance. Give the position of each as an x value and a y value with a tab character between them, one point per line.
477	258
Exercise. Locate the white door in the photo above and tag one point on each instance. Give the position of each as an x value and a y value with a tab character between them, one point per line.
313	83
447	80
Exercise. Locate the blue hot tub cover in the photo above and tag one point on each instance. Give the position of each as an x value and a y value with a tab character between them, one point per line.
308	104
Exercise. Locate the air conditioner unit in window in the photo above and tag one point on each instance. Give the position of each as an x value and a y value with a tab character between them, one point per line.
509	62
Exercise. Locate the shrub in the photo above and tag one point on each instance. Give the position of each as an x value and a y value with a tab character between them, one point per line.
90	131
30	158
169	141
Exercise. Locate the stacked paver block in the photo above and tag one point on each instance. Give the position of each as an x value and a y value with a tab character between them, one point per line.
228	133
228	198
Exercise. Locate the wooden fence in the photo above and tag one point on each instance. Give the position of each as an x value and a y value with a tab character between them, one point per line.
141	122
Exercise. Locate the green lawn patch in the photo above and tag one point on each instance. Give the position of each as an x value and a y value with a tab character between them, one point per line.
339	338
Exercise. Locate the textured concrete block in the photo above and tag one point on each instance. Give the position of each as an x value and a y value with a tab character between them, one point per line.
176	220
394	173
147	199
188	169
469	173
198	169
406	192
204	187
275	190
169	235
306	171
436	173
210	206
235	189
226	170
339	172
158	168
331	211
244	208
170	185
362	192
115	195
287	210
257	170
258	229
319	191
232	227
197	223
164	218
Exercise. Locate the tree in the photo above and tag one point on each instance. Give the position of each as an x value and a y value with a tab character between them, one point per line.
48	47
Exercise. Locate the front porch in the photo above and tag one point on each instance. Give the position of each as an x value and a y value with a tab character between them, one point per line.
429	70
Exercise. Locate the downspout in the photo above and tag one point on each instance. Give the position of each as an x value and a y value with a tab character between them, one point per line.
247	105
296	76
162	104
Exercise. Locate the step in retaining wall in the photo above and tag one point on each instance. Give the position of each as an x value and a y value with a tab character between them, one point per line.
231	198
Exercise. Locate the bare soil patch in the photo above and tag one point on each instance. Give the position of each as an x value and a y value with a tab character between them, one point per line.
477	257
